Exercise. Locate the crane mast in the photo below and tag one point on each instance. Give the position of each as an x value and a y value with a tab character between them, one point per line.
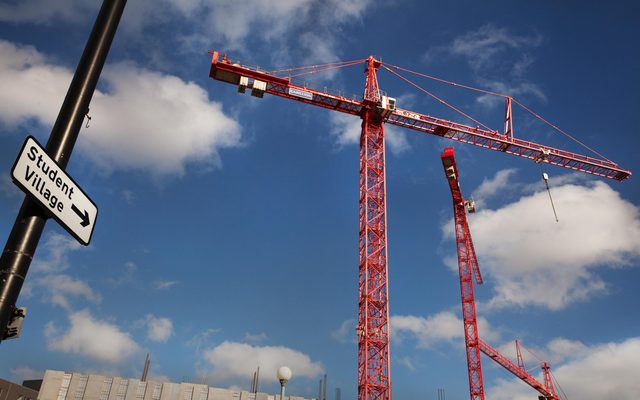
546	373
373	295
374	382
467	269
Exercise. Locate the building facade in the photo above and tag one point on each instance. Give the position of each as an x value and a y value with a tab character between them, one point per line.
13	391
60	385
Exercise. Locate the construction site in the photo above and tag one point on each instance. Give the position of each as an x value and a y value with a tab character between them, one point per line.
482	242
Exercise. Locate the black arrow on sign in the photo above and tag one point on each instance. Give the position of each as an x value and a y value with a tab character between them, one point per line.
84	217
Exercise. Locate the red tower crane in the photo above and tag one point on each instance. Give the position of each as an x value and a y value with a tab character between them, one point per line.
375	110
467	269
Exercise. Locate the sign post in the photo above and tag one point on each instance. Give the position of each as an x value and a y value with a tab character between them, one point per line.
30	221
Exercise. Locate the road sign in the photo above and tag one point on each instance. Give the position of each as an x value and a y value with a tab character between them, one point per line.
56	192
15	324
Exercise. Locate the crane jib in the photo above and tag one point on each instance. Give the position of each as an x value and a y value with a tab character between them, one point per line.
223	69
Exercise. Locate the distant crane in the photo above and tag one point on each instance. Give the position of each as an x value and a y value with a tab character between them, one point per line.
375	109
547	389
468	269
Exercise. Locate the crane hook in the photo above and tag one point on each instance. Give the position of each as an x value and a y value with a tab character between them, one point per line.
545	177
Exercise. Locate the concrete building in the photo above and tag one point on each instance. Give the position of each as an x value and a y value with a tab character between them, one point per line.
13	391
60	385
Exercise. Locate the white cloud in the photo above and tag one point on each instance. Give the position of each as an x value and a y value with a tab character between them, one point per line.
322	45
321	50
482	47
49	280
26	373
396	139
233	360
532	260
560	349
494	186
128	196
233	20
60	287
127	276
556	351
347	11
47	12
158	329
256	338
146	120
346	331
499	58
155	122
604	371
513	89
95	339
202	338
273	20
165	284
56	251
230	19
444	326
311	26
347	129
31	88
406	362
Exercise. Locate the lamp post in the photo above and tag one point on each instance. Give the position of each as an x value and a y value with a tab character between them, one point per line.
284	374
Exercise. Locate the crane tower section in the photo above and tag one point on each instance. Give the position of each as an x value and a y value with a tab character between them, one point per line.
467	269
373	295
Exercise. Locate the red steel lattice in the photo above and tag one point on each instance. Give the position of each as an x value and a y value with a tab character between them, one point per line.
373	313
547	392
467	268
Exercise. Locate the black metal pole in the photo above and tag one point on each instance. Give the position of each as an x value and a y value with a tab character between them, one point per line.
25	235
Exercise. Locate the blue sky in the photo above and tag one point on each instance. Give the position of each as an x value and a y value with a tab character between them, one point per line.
227	233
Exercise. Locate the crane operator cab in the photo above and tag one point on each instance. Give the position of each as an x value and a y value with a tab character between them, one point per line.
471	206
387	106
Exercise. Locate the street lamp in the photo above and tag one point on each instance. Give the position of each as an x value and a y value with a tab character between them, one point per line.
284	374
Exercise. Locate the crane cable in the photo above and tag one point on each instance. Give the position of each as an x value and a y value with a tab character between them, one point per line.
557	384
545	178
325	68
501	349
554	127
337	64
446	81
436	97
558	129
564	395
532	353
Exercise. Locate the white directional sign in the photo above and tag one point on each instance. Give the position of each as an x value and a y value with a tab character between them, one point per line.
41	177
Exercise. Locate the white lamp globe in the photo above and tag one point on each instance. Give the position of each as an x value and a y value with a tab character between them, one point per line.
284	374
